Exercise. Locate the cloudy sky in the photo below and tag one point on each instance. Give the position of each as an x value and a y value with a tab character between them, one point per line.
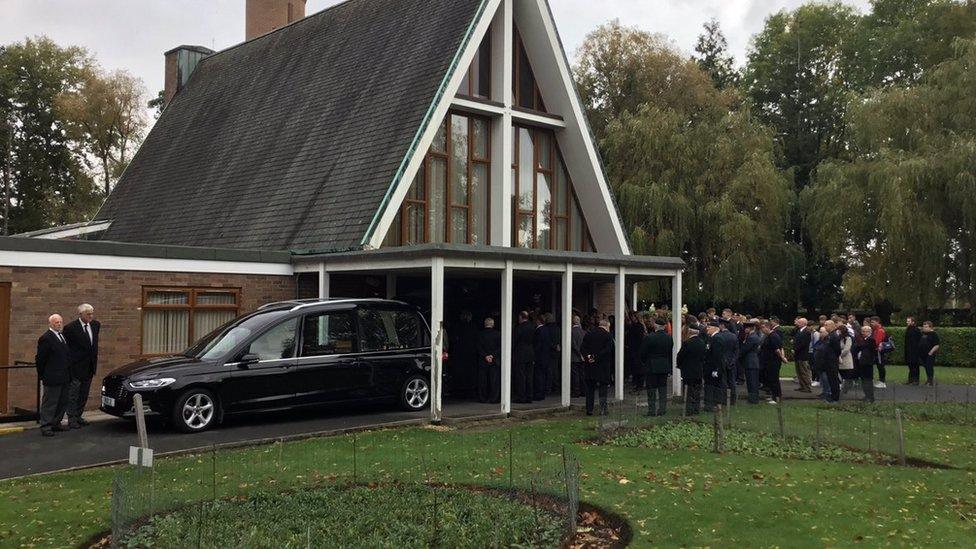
133	34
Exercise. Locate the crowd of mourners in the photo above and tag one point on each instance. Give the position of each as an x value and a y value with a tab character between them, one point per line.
719	352
835	355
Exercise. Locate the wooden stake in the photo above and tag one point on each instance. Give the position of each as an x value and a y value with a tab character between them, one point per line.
140	421
901	438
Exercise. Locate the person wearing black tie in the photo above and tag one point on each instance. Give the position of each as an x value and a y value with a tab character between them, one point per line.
82	337
53	371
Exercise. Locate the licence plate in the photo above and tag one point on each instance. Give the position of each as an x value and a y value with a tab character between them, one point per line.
108	402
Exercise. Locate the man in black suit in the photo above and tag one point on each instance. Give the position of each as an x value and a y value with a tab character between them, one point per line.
52	361
489	363
82	337
524	360
597	351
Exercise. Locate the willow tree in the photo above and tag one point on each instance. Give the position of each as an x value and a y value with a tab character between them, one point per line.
902	212
693	176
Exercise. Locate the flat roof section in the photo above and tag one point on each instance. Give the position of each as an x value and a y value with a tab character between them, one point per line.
124	249
463	251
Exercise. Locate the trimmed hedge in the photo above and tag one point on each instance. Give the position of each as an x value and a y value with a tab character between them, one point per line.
958	347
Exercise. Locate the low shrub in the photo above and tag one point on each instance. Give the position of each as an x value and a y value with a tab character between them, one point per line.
360	516
691	435
958	345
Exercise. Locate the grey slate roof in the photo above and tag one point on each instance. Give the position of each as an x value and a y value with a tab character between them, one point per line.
290	141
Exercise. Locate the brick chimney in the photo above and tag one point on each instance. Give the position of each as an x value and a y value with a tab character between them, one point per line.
264	16
180	62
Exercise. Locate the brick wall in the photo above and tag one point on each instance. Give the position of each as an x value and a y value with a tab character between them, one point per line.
37	293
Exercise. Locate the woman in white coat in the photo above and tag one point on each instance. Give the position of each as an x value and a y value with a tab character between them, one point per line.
846	360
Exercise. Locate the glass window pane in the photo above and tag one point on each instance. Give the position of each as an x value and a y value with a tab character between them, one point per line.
483	86
328	334
459	225
216	298
440	139
526	81
576	225
525	231
544	210
459	160
465	88
166	297
417	189
480	137
544	142
205	322
560	189
379	330
165	331
277	343
415	224
408	329
437	207
526	171
480	185
560	235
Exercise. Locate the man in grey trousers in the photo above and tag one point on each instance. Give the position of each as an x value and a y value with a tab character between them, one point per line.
52	364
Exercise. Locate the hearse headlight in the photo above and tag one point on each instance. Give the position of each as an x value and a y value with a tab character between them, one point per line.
152	383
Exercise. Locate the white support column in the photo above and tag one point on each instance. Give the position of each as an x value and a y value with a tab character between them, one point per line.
566	334
618	349
391	281
437	335
323	282
501	150
676	330
508	278
633	296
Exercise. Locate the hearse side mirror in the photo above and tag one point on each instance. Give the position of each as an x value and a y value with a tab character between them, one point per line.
247	359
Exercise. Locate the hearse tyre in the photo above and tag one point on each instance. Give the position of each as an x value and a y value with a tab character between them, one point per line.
415	393
195	410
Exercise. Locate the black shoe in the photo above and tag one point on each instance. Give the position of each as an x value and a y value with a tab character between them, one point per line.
83	422
59	428
74	425
47	433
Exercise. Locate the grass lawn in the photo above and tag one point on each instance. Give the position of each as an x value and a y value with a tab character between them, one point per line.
671	497
945	375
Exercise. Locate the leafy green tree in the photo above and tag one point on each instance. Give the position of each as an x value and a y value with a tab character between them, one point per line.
620	68
693	176
105	117
49	185
898	40
713	56
902	212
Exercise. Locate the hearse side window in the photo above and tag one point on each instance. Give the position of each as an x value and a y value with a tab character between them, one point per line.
329	334
384	330
277	343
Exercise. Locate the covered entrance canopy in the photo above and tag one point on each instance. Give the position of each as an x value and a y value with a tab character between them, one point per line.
440	261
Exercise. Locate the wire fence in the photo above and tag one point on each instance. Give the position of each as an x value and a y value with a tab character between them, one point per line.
545	479
878	430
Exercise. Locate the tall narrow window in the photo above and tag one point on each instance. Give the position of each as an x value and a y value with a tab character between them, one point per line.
477	79
449	200
545	213
524	86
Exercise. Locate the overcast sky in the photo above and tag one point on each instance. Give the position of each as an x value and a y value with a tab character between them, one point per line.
133	34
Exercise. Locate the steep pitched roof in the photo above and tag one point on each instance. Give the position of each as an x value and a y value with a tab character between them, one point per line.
290	141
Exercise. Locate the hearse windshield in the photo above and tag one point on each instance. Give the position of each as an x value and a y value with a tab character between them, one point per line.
225	339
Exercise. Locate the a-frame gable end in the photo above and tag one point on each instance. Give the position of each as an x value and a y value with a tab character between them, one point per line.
385	215
554	78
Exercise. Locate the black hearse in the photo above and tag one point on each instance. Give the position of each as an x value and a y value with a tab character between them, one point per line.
284	355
